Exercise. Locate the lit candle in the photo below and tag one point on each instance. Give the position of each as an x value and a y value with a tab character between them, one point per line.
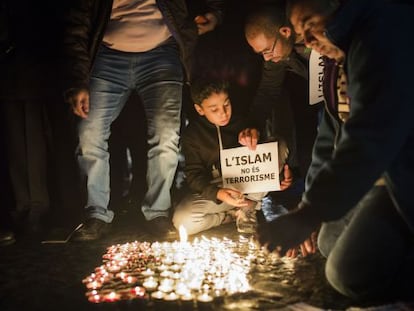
148	272
166	285
95	298
204	297
122	275
93	285
111	297
171	297
150	283
171	301
166	274
114	268
204	301
138	291
158	295
157	299
130	279
187	301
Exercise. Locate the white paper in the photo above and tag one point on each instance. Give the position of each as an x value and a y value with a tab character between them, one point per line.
251	171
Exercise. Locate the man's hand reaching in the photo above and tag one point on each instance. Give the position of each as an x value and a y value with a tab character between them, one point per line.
290	231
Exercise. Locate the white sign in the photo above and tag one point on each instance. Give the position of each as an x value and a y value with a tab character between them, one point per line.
315	78
251	171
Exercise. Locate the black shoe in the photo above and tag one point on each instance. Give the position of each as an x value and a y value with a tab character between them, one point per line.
7	238
161	227
92	229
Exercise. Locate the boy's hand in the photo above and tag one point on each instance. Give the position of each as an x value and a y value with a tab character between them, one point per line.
249	137
232	197
206	22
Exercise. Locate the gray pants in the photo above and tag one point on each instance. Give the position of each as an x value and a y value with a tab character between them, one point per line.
196	214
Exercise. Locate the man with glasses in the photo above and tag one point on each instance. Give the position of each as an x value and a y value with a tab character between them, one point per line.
281	107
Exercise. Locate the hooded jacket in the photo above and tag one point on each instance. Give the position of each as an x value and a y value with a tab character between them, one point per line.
378	138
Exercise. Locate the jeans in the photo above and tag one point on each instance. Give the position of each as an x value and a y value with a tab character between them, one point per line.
157	76
370	251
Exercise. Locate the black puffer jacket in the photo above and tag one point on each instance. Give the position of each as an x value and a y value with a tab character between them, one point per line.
86	23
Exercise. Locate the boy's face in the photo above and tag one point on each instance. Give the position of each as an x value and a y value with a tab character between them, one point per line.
216	108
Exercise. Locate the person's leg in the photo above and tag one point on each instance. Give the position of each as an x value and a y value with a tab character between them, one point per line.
159	84
109	90
369	259
331	231
15	139
196	214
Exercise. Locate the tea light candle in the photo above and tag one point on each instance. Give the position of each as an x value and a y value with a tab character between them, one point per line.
204	301
150	283
130	279
94	285
148	272
166	285
171	297
122	275
111	297
162	267
114	268
171	302
138	291
166	273
187	301
158	295
96	298
204	297
175	268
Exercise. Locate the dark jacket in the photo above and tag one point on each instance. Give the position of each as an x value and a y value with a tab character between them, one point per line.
200	145
378	138
281	110
86	23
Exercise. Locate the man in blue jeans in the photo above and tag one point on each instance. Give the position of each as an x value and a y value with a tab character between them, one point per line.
114	48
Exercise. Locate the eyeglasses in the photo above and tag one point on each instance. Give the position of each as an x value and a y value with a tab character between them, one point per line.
270	52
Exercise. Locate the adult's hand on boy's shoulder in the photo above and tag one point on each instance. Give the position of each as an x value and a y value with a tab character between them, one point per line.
232	197
249	138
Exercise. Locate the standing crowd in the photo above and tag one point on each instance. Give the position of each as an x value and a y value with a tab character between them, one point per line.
345	164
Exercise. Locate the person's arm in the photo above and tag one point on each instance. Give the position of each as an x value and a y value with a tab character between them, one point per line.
214	16
197	173
77	58
268	92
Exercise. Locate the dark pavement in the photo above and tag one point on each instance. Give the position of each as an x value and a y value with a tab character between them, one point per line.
36	276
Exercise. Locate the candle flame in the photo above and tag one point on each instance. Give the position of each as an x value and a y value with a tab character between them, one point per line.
183	234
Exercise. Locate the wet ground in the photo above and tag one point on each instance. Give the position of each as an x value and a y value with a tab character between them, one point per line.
36	276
